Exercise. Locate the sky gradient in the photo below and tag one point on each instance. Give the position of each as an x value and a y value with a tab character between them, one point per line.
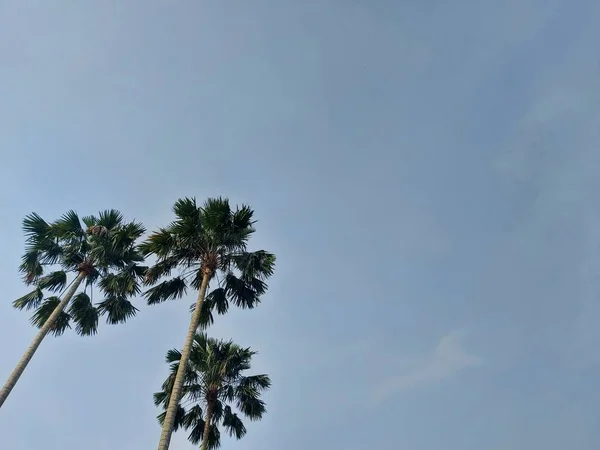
425	171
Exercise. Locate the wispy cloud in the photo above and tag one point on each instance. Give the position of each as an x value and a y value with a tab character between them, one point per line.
447	359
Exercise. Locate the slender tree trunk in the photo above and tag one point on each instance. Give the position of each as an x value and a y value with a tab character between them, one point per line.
37	340
167	428
209	412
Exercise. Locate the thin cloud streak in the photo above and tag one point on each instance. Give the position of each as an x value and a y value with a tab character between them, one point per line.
448	359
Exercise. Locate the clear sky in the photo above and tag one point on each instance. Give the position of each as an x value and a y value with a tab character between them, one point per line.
425	171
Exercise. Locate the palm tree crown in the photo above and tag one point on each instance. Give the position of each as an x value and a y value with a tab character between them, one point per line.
208	240
101	252
215	384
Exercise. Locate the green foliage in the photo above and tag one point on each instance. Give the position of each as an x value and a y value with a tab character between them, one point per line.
208	239
101	247
215	373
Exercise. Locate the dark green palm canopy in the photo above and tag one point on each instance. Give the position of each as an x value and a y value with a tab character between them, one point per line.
215	373
102	248
209	239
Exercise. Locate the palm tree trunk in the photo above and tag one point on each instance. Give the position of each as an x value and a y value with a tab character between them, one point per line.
168	424
37	340
209	412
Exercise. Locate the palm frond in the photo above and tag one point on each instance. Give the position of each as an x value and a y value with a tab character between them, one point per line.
89	221
256	382
35	228
233	424
214	437
160	269
31	267
161	398
195	420
84	314
30	301
244	293
117	309
167	290
250	405
125	236
173	355
259	264
68	226
123	283
206	316
216	215
218	299
44	311
180	416
159	243
186	209
110	218
51	251
242	218
55	281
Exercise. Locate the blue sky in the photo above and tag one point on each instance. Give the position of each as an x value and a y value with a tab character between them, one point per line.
425	171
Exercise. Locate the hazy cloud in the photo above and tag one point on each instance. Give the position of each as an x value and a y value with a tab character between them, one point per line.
447	359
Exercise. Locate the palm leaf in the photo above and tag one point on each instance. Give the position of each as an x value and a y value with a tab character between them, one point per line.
68	226
55	281
31	267
42	314
186	209
117	309
160	269
35	228
84	314
233	424
110	218
30	301
167	290
180	416
216	215
244	294
194	419
259	264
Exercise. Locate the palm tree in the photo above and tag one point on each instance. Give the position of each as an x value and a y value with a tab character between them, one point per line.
100	252
204	244
214	382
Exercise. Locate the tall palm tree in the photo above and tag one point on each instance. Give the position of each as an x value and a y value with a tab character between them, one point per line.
100	252
204	244
214	384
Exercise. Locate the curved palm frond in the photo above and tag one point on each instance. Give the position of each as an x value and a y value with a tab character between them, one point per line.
244	293
68	226
29	301
167	290
31	267
35	228
206	316
110	219
55	281
84	314
117	309
44	311
259	264
233	424
180	416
